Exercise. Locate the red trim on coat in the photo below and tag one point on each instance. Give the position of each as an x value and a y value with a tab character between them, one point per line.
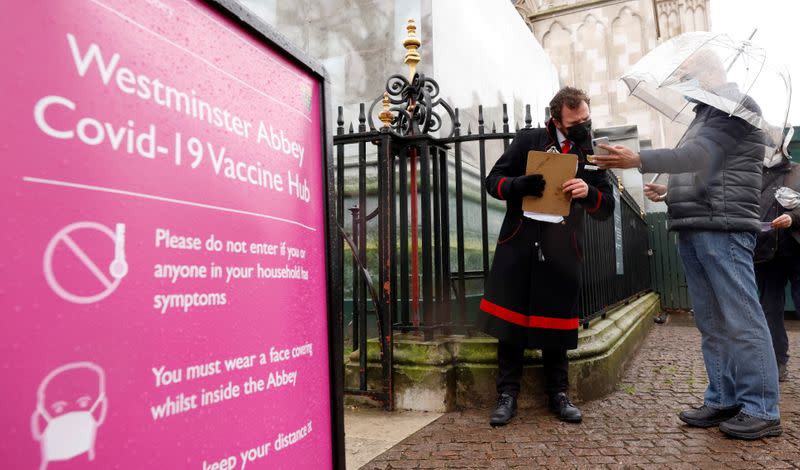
596	207
500	188
500	242
529	321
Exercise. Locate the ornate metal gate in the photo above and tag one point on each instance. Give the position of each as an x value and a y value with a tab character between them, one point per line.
407	159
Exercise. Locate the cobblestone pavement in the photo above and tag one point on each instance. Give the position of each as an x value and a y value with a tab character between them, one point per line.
635	427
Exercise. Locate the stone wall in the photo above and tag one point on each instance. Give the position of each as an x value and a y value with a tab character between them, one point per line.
592	42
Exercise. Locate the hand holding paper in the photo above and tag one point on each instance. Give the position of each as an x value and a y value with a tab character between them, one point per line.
576	187
782	221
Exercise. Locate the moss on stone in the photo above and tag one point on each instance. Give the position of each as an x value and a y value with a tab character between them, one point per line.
457	371
422	352
480	350
419	374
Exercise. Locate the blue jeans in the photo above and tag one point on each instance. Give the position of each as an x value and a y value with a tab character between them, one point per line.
735	339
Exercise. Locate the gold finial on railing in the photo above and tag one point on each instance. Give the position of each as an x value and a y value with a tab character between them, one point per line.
411	43
386	116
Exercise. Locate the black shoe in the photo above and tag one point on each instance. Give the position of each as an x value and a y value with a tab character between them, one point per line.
564	409
505	409
783	373
705	417
744	426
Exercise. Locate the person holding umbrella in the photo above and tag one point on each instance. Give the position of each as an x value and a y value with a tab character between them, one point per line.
777	252
713	203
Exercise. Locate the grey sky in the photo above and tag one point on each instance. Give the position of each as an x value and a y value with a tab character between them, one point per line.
776	21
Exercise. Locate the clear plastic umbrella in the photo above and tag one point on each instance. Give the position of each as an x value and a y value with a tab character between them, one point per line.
736	77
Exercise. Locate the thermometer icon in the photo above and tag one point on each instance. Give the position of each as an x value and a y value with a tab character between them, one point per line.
119	267
79	259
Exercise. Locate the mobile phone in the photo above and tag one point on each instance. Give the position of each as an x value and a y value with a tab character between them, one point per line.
597	150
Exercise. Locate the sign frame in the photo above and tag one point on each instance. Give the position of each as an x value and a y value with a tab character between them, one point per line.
258	29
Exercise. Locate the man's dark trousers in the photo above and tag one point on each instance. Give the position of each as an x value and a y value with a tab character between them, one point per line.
510	359
772	276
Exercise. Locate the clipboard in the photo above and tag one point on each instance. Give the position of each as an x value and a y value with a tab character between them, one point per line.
556	168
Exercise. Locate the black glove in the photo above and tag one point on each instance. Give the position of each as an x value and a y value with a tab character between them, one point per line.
528	185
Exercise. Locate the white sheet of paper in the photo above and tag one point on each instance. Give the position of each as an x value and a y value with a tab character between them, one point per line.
553	219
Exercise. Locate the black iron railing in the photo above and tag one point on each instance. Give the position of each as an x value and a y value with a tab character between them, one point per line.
408	237
607	282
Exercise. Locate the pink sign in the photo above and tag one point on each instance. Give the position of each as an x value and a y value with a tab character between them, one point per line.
163	257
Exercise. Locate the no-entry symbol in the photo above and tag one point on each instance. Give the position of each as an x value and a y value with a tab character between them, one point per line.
108	277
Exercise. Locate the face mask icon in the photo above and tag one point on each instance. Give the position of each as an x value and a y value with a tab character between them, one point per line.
71	406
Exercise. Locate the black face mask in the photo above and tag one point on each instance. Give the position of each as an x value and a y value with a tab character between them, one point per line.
581	134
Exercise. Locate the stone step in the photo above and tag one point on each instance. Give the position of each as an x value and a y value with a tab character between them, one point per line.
456	372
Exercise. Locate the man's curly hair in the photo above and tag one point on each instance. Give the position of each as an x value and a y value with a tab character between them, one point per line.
569	96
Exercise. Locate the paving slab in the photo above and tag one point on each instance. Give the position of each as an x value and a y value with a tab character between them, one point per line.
369	432
634	427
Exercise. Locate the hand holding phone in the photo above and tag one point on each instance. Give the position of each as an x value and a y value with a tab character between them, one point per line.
597	150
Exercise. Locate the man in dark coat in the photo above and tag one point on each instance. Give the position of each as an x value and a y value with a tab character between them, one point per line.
777	253
713	204
531	294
